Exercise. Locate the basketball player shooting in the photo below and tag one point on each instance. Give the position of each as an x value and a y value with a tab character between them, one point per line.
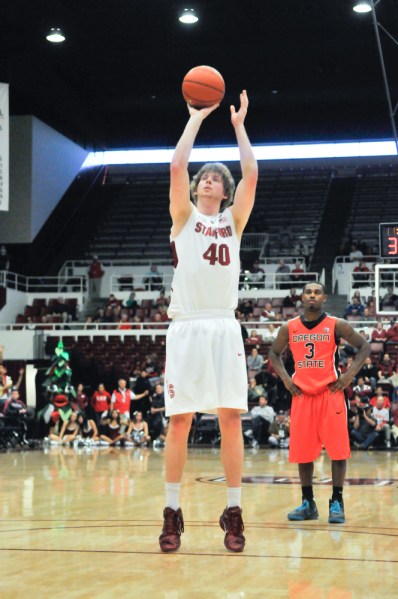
319	411
205	358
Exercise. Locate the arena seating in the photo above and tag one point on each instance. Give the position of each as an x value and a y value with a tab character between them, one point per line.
131	227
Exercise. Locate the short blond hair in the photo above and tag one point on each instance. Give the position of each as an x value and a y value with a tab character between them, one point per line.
227	179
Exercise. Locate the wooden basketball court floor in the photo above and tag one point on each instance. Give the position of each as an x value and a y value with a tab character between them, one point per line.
80	523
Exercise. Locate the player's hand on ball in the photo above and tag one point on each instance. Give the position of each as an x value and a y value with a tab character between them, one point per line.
203	112
237	118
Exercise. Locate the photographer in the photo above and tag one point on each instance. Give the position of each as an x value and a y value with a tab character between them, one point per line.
364	432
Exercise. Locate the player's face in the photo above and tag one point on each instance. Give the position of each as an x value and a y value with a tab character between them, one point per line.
313	297
211	184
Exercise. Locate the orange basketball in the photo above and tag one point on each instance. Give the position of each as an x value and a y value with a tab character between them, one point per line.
203	86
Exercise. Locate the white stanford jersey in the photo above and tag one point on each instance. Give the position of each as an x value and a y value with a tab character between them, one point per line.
206	265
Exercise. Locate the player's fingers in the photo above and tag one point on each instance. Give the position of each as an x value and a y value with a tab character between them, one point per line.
232	109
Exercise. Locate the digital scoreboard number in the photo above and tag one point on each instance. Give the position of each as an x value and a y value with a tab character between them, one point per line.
388	235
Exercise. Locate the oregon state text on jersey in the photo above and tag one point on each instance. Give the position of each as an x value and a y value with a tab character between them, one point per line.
206	265
314	348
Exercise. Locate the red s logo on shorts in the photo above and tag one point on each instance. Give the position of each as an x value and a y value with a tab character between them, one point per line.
171	390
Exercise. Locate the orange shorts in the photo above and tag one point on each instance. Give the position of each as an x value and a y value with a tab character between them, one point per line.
316	421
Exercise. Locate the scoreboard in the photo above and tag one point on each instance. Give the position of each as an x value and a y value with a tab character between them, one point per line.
388	237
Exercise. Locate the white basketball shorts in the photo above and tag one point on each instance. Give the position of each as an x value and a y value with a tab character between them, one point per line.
205	365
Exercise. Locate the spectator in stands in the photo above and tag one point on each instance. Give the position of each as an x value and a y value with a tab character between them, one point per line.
282	273
394	383
367	315
379	334
138	430
162	311
269	332
67	311
88	323
354	309
392	332
124	323
153	279
254	363
100	402
81	398
380	393
113	428
246	308
262	416
4	258
390	299
131	303
297	276
255	391
382	417
386	369
355	253
361	275
364	334
394	419
369	373
256	275
364	430
15	408
157	414
162	300
292	300
122	397
353	411
100	315
88	428
268	314
279	431
254	338
113	302
362	388
6	385
95	274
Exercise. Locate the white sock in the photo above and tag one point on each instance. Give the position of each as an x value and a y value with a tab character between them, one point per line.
234	495
173	495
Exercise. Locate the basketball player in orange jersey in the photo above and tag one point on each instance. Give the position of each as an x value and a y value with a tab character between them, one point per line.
319	412
205	358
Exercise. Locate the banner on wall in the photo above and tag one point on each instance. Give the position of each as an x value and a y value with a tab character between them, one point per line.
4	147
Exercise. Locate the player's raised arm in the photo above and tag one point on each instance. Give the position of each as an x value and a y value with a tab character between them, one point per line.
180	204
246	189
275	354
343	329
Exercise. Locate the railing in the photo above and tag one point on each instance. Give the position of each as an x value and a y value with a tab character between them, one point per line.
72	329
12	280
255	241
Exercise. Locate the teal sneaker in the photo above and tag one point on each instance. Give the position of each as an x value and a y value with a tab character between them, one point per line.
336	512
306	511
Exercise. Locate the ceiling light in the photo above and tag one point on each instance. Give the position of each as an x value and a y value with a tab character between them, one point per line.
188	16
55	35
362	6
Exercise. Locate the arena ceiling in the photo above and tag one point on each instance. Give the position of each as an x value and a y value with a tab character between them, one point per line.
311	68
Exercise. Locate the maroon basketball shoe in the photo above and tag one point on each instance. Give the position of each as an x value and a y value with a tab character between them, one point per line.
231	521
173	526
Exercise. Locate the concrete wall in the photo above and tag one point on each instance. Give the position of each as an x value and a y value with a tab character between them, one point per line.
43	164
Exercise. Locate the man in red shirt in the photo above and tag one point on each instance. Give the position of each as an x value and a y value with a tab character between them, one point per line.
95	274
319	411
